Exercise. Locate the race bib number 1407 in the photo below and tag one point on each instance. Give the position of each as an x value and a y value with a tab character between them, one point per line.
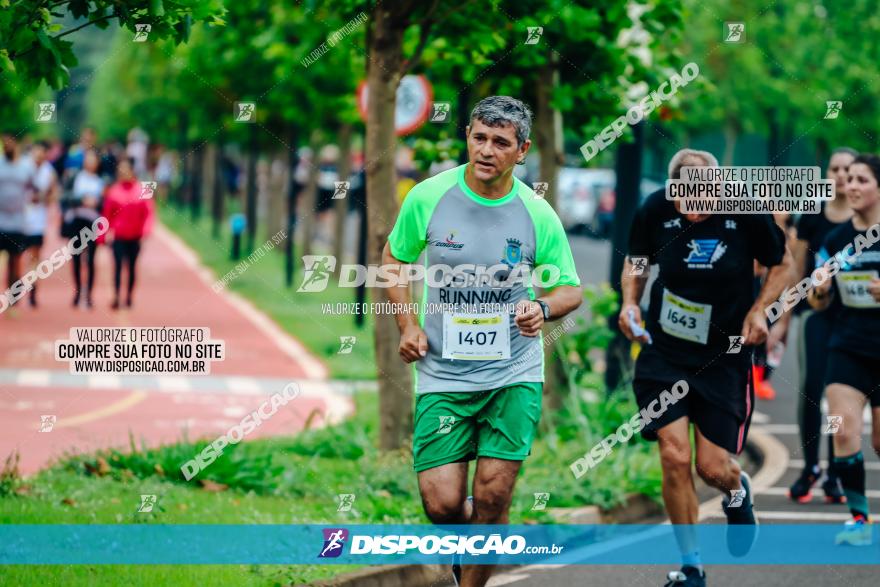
476	337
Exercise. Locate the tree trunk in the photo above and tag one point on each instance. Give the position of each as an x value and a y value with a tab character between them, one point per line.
292	195
773	138
251	189
548	129
196	183
731	133
308	215
277	194
629	178
179	195
548	139
264	168
823	152
340	207
217	198
385	52
462	117
209	173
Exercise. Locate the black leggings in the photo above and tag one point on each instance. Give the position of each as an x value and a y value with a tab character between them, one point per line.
89	252
125	251
815	330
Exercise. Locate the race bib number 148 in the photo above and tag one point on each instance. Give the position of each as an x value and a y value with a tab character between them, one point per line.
853	286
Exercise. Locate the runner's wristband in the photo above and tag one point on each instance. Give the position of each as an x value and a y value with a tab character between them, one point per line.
544	308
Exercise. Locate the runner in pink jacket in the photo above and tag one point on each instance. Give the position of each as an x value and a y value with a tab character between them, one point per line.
128	206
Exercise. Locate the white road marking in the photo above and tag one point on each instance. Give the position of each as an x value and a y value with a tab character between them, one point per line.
506	579
173	383
104	381
244	385
289	345
234	411
799	516
338	406
36	377
799	465
787	429
760	417
783	491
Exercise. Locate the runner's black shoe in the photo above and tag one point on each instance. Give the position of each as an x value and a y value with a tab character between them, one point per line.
742	526
833	490
801	490
687	577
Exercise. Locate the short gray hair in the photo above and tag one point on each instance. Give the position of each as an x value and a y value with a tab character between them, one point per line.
690	158
501	110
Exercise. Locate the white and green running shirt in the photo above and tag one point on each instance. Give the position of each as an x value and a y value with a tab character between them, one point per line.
473	342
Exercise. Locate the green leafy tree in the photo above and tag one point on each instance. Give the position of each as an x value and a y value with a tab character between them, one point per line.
34	46
795	56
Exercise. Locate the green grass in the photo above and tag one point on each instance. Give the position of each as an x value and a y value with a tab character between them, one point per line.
262	283
295	480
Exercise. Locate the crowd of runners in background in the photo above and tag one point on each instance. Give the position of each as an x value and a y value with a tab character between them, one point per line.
49	186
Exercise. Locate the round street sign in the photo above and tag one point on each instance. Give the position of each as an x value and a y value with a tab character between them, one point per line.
414	96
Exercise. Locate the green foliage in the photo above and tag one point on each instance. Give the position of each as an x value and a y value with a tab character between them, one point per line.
426	151
10	477
137	78
796	55
585	418
581	345
253	472
34	47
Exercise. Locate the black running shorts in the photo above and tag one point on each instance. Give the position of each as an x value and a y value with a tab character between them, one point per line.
13	242
719	401
857	371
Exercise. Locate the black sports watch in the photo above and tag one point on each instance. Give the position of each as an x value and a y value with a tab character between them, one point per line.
544	308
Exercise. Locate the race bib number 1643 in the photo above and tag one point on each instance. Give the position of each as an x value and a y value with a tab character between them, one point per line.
685	319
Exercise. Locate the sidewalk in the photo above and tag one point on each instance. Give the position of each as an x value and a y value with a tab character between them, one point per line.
95	411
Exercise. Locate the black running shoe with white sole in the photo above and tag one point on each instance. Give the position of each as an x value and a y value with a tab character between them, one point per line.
742	526
801	490
687	577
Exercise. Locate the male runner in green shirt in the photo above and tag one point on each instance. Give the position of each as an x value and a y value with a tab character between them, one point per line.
479	358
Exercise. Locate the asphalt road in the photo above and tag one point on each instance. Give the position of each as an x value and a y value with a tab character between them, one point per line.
776	418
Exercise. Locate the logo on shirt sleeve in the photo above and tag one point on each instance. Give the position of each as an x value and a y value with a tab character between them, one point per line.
704	252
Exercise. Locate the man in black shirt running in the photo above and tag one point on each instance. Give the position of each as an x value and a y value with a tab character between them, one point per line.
701	303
